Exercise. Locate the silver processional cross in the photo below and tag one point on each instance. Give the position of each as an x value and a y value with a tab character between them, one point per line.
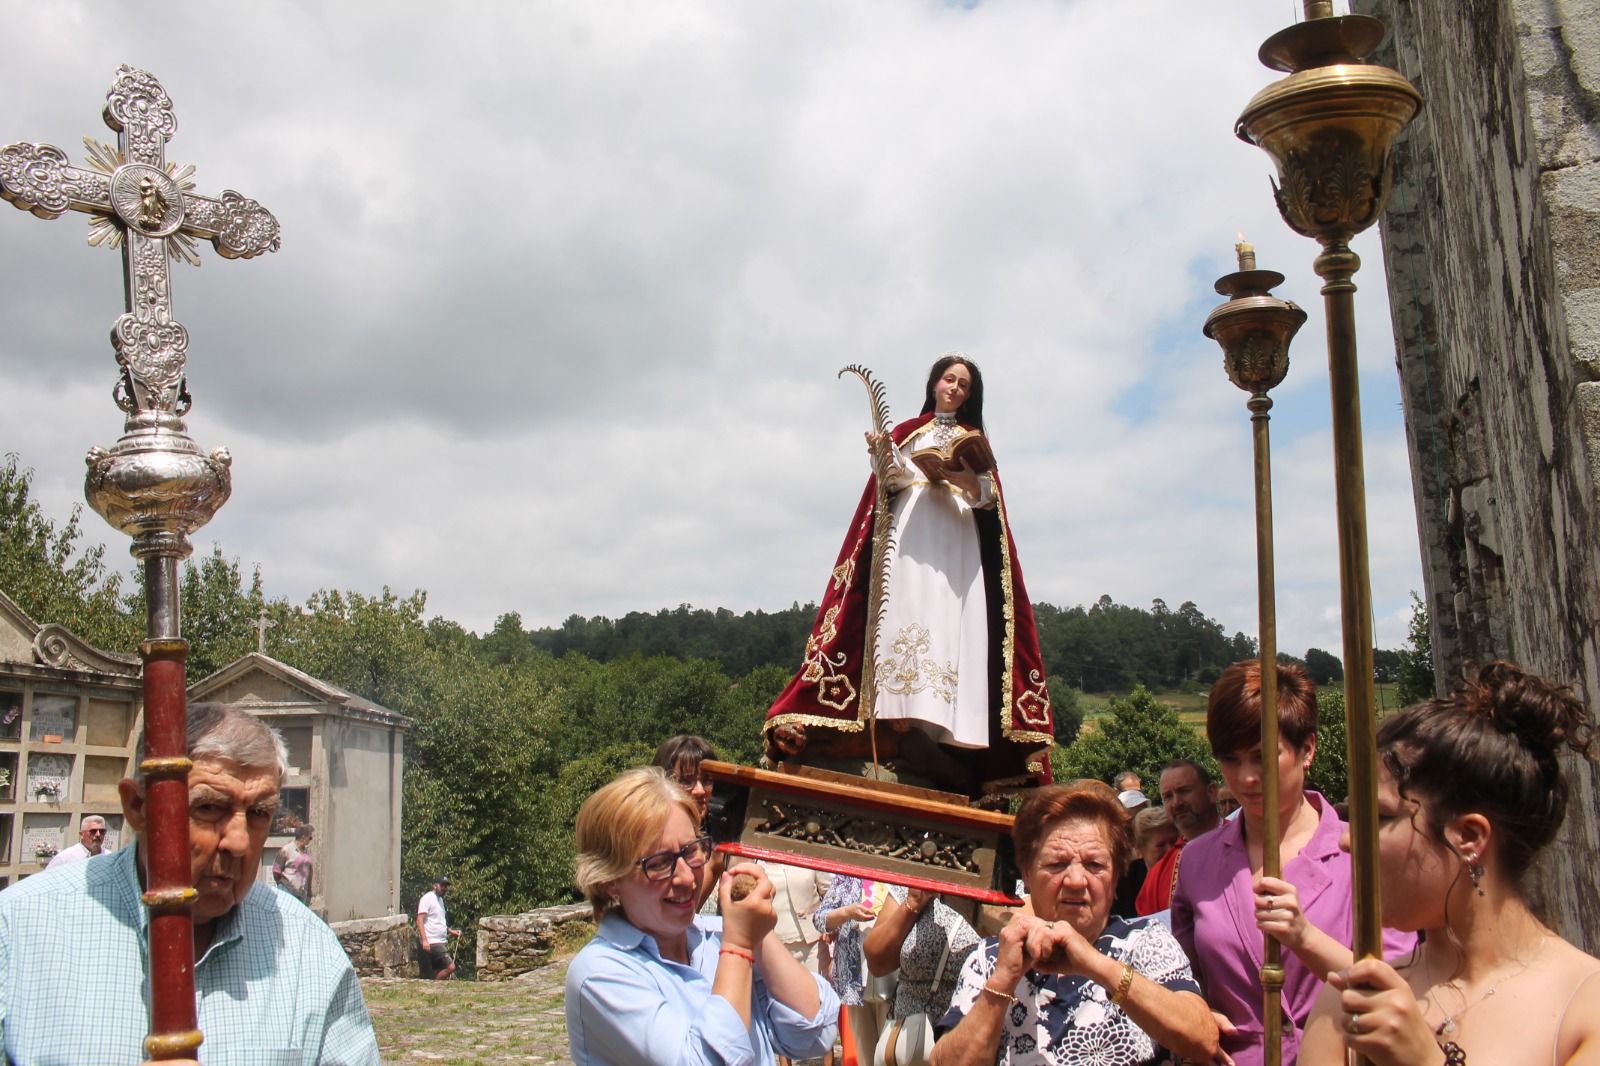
154	484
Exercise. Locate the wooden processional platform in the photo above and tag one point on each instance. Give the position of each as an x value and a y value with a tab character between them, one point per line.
855	826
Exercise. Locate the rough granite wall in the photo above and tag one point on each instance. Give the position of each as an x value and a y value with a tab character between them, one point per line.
1493	267
379	947
510	945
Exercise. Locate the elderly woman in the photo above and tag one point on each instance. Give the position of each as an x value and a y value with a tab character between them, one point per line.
1470	790
1075	984
1223	901
1154	834
661	984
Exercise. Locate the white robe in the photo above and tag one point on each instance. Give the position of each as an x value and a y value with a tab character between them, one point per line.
931	663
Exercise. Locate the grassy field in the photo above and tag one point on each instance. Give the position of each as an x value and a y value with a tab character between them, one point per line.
1191	706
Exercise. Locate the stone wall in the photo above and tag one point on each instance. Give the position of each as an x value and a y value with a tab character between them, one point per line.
379	947
1494	281
512	944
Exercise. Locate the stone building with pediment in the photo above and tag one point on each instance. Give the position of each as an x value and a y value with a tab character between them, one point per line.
346	758
69	714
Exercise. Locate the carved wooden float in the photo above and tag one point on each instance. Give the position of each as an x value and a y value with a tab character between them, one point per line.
837	823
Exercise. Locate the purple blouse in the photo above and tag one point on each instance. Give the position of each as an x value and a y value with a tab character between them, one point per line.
1214	918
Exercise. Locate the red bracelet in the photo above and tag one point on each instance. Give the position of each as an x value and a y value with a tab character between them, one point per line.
738	954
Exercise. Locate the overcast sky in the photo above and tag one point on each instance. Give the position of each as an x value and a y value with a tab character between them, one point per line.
564	287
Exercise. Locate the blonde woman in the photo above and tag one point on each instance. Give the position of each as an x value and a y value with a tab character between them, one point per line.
661	984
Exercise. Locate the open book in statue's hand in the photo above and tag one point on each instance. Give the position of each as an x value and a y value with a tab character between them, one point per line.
968	451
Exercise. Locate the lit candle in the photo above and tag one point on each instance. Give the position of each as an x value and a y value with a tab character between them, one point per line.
1246	253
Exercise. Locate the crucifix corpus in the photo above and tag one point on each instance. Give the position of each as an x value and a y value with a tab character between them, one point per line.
154	484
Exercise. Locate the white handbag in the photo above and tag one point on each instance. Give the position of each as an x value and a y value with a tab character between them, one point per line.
909	1041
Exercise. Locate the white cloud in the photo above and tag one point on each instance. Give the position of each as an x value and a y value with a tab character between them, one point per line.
564	287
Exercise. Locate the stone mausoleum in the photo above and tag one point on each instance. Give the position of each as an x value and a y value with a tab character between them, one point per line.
346	756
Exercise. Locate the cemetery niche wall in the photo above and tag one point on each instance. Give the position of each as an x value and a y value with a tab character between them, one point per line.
69	714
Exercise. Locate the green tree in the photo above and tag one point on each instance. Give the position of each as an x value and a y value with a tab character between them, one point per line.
1330	769
1138	733
47	574
219	613
1065	709
1417	678
1323	667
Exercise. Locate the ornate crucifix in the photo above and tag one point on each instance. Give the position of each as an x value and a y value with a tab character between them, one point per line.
154	484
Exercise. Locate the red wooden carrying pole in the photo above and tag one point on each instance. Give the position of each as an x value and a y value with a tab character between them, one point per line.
169	889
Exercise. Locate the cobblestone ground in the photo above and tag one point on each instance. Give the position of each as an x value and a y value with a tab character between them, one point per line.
463	1023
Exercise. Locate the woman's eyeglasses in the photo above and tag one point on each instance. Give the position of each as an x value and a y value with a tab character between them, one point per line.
660	866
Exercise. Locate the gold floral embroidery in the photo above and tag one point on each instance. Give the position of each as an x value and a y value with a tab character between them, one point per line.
909	672
836	691
844	574
1033	706
828	630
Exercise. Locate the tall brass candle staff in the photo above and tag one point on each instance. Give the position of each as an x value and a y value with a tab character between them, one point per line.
154	484
1254	329
1328	127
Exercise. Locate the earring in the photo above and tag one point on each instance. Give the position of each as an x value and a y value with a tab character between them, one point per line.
1475	872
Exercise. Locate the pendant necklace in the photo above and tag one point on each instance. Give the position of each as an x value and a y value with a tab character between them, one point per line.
1448	1026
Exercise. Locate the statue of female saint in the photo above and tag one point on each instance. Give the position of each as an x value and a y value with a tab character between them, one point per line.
958	686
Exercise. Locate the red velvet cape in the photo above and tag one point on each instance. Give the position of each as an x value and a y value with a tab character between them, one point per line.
826	693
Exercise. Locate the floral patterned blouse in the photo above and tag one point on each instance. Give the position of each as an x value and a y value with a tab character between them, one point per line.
1071	1021
937	926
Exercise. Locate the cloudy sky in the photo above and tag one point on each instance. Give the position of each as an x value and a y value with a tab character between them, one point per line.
565	284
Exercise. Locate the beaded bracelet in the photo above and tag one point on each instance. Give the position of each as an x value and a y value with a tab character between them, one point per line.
1007	996
1123	985
1453	1055
736	953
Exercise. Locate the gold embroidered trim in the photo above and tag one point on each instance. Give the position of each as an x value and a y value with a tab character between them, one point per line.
1008	648
844	573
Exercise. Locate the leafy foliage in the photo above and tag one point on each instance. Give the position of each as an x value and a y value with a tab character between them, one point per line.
44	571
1330	774
1323	667
1138	733
1416	679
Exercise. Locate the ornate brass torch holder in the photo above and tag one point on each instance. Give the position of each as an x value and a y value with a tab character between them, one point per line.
1254	329
154	484
1329	127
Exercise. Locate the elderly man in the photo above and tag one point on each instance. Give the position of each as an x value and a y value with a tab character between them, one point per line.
1190	799
271	980
91	841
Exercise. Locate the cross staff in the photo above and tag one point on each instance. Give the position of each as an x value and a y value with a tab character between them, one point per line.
154	484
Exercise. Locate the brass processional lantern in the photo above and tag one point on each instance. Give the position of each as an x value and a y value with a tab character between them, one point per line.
154	484
1329	127
1254	329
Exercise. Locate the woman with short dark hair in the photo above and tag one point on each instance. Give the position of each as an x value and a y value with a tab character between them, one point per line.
1470	790
1223	902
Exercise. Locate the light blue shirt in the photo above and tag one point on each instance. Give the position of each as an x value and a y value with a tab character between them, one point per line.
627	1006
273	987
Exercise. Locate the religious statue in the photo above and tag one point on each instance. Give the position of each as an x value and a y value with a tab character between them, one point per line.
924	658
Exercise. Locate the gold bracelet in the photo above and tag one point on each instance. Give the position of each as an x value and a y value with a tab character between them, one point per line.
1007	996
1123	985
